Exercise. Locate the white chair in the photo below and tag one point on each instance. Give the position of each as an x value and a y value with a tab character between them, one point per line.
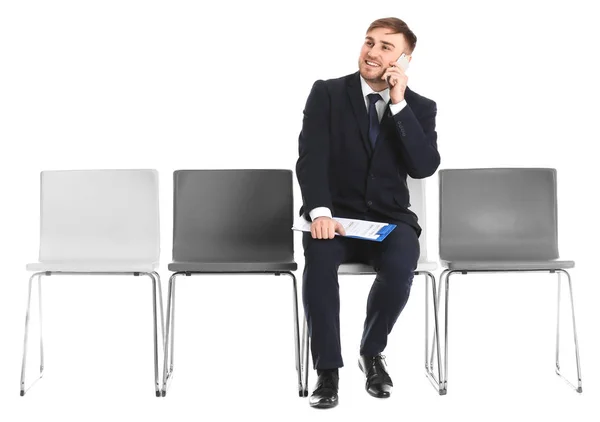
97	222
417	191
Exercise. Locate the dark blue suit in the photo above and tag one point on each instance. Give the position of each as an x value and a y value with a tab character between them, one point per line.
339	169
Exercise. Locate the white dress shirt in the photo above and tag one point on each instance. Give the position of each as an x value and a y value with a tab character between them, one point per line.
380	106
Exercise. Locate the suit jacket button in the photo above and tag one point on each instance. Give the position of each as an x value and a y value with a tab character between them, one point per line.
370	203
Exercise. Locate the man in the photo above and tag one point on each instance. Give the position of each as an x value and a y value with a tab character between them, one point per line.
362	134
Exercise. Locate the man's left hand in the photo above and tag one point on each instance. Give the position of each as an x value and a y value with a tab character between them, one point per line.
397	82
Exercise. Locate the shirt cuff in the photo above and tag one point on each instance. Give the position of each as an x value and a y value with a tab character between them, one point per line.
395	108
319	212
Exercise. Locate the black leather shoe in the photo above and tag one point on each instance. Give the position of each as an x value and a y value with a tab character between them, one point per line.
325	394
378	384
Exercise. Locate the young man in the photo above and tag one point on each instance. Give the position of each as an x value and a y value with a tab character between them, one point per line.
362	134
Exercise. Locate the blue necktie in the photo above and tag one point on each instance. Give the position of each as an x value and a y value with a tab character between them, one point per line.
373	118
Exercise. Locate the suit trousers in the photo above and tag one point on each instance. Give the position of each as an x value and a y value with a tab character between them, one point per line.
394	259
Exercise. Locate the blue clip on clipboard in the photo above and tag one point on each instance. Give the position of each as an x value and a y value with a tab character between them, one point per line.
383	232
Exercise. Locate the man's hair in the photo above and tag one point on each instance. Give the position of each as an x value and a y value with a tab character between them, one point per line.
397	26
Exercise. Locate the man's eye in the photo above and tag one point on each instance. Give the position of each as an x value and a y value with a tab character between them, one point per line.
385	47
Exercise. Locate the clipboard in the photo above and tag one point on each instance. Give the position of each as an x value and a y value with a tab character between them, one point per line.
357	229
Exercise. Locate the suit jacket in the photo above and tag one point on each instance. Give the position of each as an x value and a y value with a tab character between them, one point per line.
339	169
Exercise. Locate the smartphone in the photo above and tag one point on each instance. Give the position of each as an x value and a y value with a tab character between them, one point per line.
402	62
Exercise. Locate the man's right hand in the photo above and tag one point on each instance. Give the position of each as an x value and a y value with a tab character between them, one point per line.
325	228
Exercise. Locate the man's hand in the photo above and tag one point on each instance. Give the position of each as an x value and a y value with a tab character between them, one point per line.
397	82
325	228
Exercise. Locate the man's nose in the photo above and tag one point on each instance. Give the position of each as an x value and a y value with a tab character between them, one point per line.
372	52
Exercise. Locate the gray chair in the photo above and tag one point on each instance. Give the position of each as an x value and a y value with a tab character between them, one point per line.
231	222
501	220
417	191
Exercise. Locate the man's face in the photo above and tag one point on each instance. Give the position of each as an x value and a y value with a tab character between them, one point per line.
380	48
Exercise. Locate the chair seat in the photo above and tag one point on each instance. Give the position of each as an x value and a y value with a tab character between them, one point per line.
507	265
358	268
94	266
232	267
426	266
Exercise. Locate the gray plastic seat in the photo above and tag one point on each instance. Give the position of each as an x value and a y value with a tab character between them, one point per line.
231	222
417	189
508	265
497	220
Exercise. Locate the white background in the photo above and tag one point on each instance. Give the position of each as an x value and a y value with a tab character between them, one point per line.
193	85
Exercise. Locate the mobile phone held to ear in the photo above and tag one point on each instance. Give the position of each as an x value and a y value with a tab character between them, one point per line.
402	62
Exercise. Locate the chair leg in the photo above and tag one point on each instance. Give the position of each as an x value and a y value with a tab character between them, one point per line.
156	289
305	354
169	335
427	364
436	335
24	363
296	334
578	388
447	290
162	320
444	276
160	304
437	382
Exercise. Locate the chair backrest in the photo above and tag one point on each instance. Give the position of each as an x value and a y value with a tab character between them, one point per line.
416	189
99	215
233	216
498	214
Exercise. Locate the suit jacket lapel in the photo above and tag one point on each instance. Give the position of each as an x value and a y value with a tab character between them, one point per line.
358	107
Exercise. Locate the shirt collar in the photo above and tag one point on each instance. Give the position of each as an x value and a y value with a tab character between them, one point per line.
366	90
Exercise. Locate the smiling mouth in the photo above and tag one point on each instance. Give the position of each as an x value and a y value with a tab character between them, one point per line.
372	64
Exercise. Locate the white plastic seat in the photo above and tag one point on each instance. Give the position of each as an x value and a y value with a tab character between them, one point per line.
354	268
416	188
95	267
99	216
98	222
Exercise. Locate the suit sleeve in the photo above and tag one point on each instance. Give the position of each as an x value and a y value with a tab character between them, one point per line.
418	140
312	168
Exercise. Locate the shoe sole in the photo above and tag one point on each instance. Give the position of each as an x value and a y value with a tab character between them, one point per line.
323	405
